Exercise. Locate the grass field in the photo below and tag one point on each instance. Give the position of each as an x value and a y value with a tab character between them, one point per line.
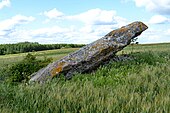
141	85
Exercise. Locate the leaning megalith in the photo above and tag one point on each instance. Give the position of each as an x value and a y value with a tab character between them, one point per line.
92	55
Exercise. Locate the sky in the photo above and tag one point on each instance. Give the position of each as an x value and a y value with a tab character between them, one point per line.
80	21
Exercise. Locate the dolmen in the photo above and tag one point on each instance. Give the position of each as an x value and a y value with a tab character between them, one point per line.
92	55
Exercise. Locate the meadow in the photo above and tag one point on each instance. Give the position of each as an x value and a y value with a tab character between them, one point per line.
140	85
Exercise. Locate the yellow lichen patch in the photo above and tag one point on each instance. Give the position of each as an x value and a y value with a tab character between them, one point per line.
57	69
61	63
118	31
122	29
141	26
111	33
96	45
101	50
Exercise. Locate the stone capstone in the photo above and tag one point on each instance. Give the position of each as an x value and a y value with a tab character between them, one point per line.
92	55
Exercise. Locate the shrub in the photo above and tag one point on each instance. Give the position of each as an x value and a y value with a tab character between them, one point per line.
21	71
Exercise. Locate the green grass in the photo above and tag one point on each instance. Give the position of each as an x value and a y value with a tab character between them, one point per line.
138	85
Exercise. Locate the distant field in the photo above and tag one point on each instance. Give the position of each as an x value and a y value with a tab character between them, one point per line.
13	58
148	47
133	86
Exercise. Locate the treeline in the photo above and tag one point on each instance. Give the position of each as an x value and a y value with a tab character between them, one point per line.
32	46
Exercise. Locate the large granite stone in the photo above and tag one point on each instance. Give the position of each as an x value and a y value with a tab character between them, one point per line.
92	55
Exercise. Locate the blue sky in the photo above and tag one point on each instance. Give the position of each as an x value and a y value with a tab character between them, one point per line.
80	21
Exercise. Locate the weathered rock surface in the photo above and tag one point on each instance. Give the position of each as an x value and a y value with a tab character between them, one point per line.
92	55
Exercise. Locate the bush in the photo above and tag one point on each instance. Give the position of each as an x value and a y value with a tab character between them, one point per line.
21	71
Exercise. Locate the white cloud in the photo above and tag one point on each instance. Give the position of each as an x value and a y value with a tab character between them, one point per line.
4	3
97	17
87	29
90	17
159	6
153	35
53	14
159	19
9	25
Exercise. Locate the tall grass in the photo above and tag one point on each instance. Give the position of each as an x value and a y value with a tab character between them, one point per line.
138	85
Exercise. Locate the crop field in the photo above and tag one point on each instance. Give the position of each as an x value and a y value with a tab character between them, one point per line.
139	85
